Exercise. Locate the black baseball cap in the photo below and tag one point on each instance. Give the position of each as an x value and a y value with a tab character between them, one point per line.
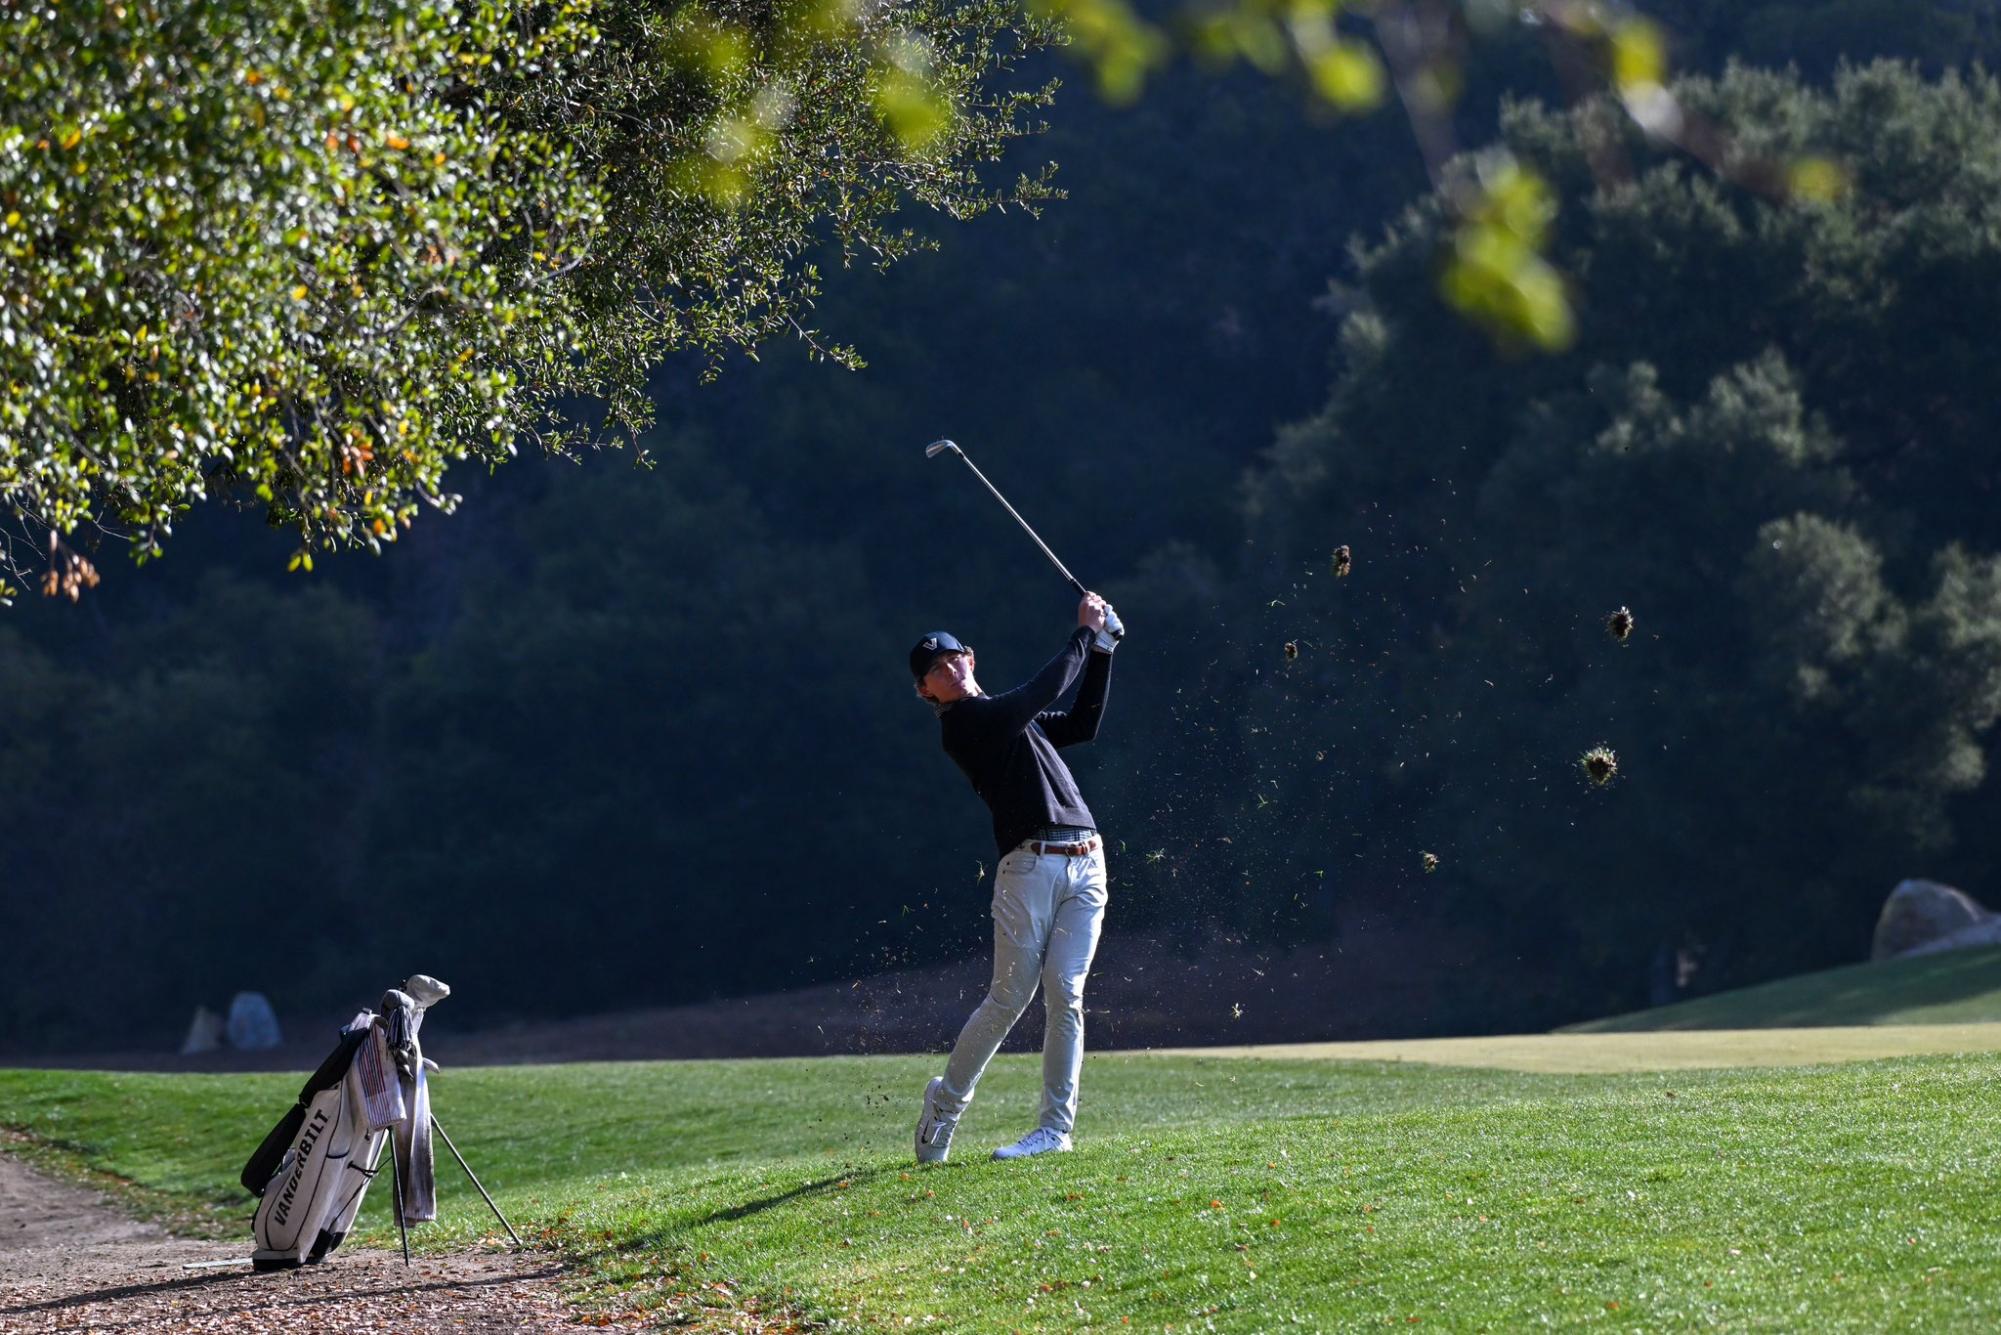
928	650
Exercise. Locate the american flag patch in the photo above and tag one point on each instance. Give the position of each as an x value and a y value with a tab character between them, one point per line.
381	1091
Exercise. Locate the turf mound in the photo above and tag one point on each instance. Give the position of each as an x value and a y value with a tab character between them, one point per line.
1959	987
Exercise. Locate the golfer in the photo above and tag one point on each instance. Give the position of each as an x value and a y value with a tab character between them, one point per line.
1049	885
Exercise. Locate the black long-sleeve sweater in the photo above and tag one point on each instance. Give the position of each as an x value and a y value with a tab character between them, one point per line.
1006	743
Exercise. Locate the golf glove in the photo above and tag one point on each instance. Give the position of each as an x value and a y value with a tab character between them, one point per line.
1102	642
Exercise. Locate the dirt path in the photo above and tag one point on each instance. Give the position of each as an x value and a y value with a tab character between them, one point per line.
70	1262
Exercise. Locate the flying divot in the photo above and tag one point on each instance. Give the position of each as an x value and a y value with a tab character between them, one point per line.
1429	861
1600	765
1344	561
1619	625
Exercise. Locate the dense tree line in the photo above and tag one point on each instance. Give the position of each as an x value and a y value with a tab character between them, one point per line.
612	736
1774	444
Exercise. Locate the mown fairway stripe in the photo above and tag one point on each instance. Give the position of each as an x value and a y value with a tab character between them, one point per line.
1671	1050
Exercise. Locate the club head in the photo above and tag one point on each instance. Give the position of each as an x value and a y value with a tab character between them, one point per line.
938	447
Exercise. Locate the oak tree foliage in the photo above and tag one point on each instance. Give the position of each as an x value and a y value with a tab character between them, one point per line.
308	256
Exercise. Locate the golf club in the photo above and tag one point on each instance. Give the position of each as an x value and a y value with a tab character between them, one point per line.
1113	625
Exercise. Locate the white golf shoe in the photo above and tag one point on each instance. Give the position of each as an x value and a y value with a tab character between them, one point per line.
934	1129
1039	1141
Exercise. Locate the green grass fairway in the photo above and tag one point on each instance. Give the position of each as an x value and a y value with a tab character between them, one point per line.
1957	987
1207	1193
1572	1052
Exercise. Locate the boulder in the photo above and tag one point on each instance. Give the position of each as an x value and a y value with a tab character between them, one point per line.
253	1025
204	1033
1920	913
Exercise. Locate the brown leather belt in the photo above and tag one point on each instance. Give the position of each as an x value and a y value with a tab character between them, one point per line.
1090	845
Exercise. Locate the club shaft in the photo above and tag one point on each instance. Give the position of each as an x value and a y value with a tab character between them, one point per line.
1061	569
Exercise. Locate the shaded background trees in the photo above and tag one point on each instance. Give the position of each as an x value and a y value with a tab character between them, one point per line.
611	736
1737	450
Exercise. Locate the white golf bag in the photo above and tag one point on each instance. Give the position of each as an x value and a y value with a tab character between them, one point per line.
314	1167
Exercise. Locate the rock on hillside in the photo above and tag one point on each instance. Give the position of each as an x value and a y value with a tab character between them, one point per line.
1921	917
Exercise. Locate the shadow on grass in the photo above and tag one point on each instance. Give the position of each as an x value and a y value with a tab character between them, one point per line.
664	1259
673	1234
800	1192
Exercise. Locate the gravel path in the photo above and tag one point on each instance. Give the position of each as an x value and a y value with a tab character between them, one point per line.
70	1262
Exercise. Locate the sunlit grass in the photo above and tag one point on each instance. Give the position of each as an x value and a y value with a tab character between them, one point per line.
1252	1195
1579	1052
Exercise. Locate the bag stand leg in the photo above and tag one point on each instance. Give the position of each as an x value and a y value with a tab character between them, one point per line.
396	1181
435	1126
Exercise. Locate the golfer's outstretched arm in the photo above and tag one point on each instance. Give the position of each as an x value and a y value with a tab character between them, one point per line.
1012	711
1080	722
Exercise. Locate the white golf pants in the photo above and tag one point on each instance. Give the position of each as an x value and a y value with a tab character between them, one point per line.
1048	910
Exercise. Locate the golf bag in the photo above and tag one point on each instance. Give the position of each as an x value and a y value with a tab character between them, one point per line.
315	1166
